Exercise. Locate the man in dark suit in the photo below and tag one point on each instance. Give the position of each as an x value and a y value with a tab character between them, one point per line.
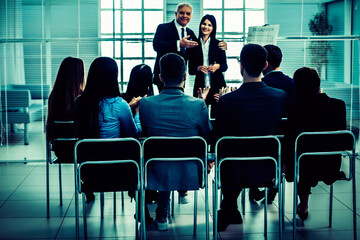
273	77
254	109
172	113
175	37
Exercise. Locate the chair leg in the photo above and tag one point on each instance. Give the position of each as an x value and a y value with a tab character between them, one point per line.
115	204
243	191
354	199
173	203
77	232
331	205
214	206
265	212
195	211
283	201
294	209
142	215
102	204
84	215
280	210
26	138
136	214
215	191
60	185
122	201
47	183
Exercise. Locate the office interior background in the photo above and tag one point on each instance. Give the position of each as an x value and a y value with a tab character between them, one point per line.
36	35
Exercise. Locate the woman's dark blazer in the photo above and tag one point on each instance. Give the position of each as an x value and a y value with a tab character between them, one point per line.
216	55
322	113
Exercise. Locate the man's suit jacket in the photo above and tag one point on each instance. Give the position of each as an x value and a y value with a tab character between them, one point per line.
174	114
216	55
277	79
165	39
321	113
254	109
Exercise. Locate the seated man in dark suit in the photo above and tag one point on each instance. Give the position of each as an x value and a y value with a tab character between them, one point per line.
273	77
254	109
173	113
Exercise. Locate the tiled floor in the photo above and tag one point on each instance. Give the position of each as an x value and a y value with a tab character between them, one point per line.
23	212
23	207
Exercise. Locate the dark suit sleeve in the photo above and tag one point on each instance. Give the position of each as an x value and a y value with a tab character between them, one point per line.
193	55
221	57
221	125
162	44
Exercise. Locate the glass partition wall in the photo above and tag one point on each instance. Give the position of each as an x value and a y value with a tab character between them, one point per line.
36	35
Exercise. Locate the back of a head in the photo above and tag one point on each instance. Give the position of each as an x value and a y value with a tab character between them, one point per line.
140	82
274	55
102	79
253	58
172	69
68	85
307	83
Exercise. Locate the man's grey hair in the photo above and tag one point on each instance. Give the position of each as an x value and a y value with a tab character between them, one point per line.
184	4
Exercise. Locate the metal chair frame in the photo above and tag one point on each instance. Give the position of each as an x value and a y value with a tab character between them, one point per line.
277	183
177	159
50	160
351	177
78	190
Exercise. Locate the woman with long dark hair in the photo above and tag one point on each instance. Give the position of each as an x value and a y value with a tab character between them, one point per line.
140	83
68	85
100	111
313	111
208	62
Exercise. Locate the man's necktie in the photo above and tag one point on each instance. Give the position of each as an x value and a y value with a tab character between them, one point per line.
182	36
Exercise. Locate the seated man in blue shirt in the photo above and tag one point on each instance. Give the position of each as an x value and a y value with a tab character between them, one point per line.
172	113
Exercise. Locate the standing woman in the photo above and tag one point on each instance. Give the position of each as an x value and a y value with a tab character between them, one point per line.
208	62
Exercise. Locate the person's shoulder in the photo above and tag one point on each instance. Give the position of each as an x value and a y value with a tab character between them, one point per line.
276	91
166	25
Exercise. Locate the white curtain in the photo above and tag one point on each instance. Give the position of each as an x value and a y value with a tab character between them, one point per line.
11	54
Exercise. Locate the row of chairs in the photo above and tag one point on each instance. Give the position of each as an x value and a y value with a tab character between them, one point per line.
111	165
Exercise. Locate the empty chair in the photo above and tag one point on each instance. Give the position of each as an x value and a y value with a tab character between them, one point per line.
319	147
176	163
246	162
106	165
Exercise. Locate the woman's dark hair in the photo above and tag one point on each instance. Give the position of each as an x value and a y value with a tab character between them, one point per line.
69	83
212	19
102	81
307	83
140	82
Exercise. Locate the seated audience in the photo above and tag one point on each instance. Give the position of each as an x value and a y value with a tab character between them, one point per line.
314	111
100	111
172	113
254	109
68	85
